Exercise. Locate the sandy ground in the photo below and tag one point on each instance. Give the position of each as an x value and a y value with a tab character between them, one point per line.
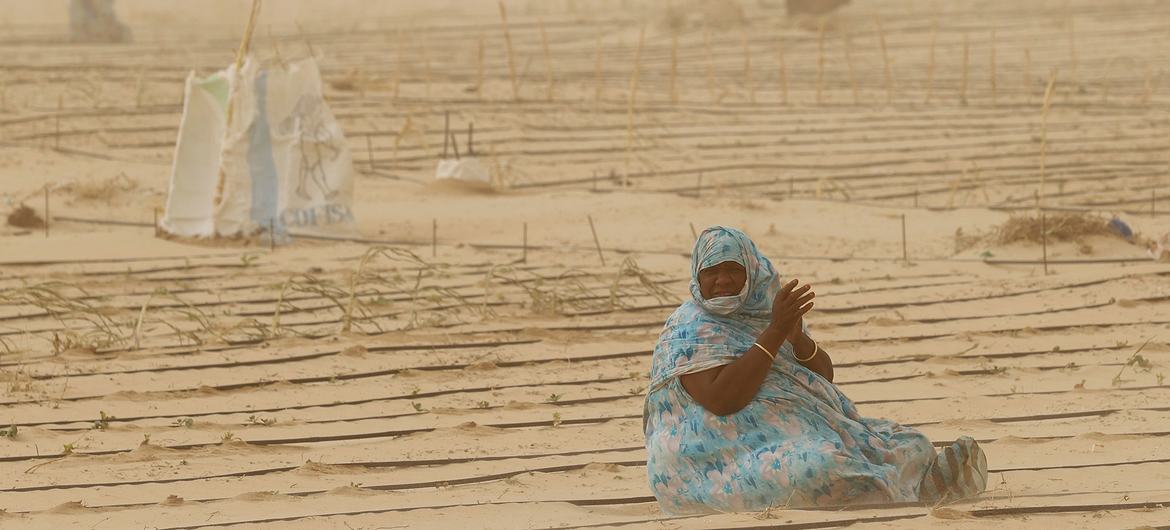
488	382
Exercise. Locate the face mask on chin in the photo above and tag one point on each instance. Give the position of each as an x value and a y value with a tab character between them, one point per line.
725	305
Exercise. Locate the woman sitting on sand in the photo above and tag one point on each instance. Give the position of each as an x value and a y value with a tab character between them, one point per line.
742	414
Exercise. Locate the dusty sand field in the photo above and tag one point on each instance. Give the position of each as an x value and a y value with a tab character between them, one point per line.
488	382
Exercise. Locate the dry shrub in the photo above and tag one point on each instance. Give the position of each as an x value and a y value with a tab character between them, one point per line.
1064	226
25	217
103	190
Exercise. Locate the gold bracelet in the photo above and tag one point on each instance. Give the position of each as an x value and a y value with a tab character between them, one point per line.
765	350
816	348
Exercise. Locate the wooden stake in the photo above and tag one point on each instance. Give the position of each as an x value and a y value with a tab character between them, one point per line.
1044	239
674	68
783	73
455	146
930	65
821	62
435	234
272	234
46	211
747	67
596	242
598	80
479	70
849	63
694	234
630	107
889	72
966	69
508	46
524	256
994	88
905	253
548	73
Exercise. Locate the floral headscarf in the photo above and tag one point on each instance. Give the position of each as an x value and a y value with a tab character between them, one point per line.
703	334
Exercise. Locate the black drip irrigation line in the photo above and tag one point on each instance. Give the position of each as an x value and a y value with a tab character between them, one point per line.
600	399
393	433
687	254
985	512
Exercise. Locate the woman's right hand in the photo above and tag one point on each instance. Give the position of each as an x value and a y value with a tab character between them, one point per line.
790	305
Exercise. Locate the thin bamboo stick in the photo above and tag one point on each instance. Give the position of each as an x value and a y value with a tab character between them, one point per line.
889	71
710	64
242	52
674	68
930	65
1028	75
596	241
508	46
994	87
1072	50
1047	105
397	82
783	72
1148	86
598	80
548	72
820	62
747	67
631	105
848	43
479	70
966	70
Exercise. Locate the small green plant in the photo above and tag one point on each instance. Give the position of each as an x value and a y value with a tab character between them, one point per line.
256	420
248	259
145	438
228	436
9	432
634	391
553	398
556	417
1159	376
483	405
67	449
183	422
417	406
1135	360
103	422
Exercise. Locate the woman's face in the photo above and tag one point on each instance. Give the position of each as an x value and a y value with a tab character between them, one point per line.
722	279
